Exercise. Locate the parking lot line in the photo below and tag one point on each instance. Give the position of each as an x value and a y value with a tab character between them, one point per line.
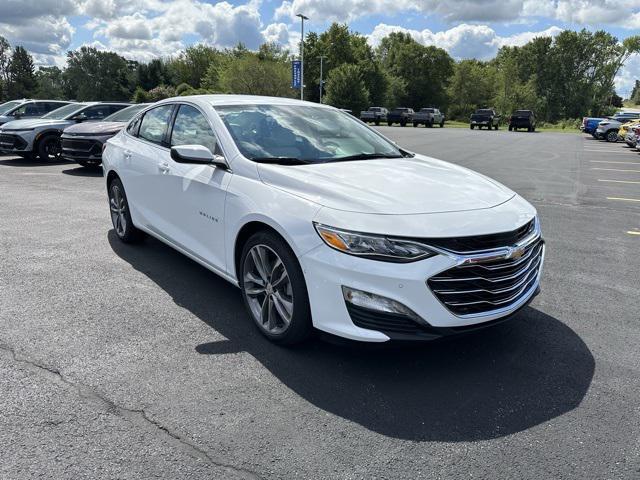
613	161
606	150
622	199
634	232
614	170
618	181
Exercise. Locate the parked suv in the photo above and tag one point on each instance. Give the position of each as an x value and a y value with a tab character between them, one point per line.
26	108
41	137
374	115
428	117
83	142
484	117
522	119
401	115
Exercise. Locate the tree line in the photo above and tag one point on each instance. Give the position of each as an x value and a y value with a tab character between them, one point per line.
564	77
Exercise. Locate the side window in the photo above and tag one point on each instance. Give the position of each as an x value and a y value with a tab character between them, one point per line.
116	108
51	106
191	128
154	124
134	126
97	112
34	109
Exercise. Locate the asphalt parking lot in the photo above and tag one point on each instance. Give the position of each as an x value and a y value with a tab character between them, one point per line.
122	361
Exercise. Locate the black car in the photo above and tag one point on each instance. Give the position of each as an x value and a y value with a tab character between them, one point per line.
401	115
522	119
484	117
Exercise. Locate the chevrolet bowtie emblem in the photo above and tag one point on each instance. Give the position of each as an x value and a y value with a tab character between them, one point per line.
515	252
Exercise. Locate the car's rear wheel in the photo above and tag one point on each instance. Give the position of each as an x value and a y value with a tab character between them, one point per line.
121	215
377	122
49	149
389	124
612	136
471	127
430	124
442	124
274	289
510	128
496	127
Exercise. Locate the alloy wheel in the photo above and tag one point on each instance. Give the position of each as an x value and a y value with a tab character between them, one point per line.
52	149
268	289
118	208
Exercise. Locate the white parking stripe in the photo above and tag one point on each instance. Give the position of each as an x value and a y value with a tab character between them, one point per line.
613	161
618	181
622	199
615	170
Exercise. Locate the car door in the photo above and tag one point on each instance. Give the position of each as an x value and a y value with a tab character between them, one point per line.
197	192
146	156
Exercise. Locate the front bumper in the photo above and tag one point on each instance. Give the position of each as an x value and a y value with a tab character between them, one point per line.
75	148
15	142
327	270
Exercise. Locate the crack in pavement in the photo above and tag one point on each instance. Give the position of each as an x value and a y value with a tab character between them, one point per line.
132	415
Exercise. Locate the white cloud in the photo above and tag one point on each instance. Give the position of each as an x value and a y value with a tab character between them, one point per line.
581	12
627	77
462	41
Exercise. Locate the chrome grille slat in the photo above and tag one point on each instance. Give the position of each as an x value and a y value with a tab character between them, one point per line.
489	283
495	280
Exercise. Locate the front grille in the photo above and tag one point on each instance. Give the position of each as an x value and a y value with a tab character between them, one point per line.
483	287
483	242
81	148
11	142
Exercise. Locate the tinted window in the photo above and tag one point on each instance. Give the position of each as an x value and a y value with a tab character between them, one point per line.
191	128
6	107
126	114
427	110
134	126
98	112
30	110
65	112
154	124
50	106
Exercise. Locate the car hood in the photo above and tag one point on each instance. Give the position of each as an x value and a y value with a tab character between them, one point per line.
388	186
94	128
35	123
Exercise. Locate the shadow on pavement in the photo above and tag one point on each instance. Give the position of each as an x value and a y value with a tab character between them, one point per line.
485	385
84	172
23	162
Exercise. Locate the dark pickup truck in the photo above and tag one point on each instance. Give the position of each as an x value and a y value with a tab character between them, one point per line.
400	115
522	119
484	117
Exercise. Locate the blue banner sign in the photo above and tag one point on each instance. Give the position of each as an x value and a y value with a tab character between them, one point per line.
296	74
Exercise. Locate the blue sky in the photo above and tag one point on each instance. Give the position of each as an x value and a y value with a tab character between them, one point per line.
145	29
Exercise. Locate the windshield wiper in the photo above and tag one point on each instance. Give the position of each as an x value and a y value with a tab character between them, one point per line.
281	160
364	156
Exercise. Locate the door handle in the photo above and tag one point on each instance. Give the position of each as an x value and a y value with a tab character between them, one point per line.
163	167
127	154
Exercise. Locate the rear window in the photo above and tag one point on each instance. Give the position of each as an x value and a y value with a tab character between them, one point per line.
484	112
523	112
426	110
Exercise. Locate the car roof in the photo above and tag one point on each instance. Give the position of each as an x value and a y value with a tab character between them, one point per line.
223	99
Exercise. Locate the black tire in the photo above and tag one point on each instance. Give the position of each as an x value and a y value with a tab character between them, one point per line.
611	136
529	129
389	124
442	124
471	127
510	128
496	127
533	129
403	124
125	230
49	149
300	326
377	122
429	124
89	163
415	124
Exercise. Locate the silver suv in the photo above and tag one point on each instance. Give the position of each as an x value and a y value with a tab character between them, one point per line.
27	108
41	137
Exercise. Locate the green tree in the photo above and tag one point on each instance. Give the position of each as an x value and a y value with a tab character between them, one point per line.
248	74
346	89
192	64
95	75
49	83
472	86
5	49
150	75
22	79
635	93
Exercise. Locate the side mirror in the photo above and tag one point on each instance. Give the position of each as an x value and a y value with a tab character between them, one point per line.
17	116
81	117
197	154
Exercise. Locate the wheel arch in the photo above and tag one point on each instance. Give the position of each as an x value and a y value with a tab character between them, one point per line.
44	134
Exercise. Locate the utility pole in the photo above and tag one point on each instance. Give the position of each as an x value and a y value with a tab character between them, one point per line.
322	57
302	19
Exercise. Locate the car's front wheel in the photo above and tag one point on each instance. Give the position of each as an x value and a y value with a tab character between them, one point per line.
49	149
612	136
121	215
274	289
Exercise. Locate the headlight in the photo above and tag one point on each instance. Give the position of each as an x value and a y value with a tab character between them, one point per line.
376	247
19	130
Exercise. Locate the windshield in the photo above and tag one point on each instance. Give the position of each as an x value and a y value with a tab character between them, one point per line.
304	133
484	112
5	107
63	112
522	112
125	114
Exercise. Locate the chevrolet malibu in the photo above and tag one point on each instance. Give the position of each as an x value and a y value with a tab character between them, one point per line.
321	221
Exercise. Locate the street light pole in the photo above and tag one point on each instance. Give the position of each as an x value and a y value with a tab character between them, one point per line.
302	19
322	57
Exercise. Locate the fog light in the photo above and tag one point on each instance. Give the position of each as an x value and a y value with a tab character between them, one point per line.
371	301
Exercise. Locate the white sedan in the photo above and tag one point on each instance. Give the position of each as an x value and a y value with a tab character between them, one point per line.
321	221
